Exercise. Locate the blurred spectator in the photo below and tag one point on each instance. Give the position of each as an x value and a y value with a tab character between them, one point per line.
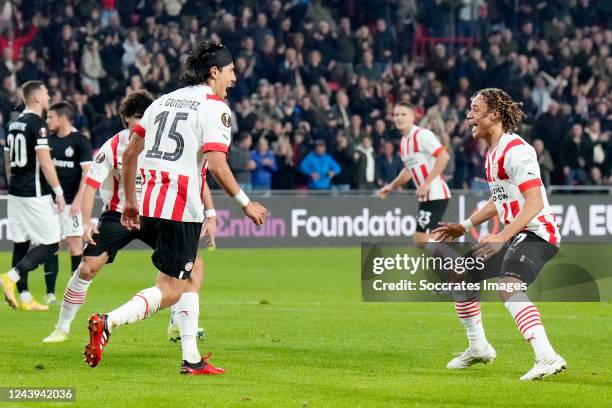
30	71
240	160
367	170
91	67
15	43
355	132
476	167
344	155
265	166
284	178
577	155
131	48
545	161
389	164
319	167
342	110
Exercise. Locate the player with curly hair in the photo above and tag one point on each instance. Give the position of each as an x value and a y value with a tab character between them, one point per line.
530	237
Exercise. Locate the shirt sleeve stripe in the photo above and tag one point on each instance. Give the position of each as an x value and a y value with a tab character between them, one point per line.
41	147
92	183
139	130
437	152
214	147
530	183
86	163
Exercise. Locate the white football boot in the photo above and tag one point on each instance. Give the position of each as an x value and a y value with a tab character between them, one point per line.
50	299
469	357
544	368
56	336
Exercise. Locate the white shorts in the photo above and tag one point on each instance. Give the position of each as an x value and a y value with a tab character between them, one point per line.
72	226
33	219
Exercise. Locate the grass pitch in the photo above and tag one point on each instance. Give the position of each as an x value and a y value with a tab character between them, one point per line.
290	329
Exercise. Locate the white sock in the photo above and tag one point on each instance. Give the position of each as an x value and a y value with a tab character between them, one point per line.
528	321
143	305
470	316
25	297
187	312
74	297
14	275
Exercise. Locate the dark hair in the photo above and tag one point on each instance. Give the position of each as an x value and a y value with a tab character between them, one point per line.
135	103
29	88
63	109
510	112
405	105
199	62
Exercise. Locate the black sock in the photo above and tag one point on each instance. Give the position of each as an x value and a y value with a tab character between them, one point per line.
22	283
20	249
51	270
75	260
31	260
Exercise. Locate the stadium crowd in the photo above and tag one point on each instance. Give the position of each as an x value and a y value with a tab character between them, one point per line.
316	80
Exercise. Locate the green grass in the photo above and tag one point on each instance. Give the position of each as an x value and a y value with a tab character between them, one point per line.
291	331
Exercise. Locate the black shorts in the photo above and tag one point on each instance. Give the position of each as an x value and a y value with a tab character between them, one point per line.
175	244
430	214
522	258
112	237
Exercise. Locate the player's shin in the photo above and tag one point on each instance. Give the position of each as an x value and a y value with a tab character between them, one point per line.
468	311
74	297
527	318
186	315
143	305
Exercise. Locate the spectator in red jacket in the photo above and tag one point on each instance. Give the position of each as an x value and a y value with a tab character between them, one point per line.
8	39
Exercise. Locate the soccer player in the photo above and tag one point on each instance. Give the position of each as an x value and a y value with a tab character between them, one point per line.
179	134
71	153
424	161
104	240
530	237
31	212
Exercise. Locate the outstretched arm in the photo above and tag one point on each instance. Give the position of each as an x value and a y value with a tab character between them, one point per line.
448	231
402	178
218	167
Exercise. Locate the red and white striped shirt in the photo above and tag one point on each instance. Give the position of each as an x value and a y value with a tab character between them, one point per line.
179	128
419	150
512	167
105	172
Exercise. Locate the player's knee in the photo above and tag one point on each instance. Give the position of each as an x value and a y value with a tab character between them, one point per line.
509	287
52	248
171	296
74	245
86	271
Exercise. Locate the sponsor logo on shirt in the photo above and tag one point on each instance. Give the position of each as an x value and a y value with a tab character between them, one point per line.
63	164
